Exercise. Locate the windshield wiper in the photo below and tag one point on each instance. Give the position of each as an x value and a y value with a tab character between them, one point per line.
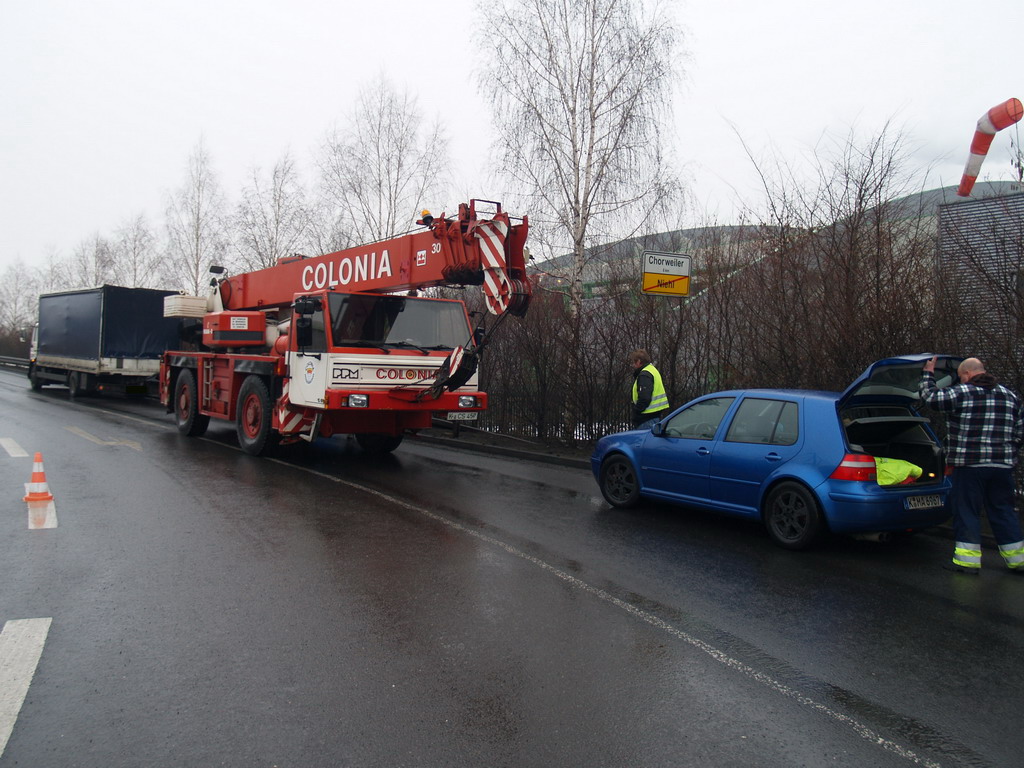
362	343
407	343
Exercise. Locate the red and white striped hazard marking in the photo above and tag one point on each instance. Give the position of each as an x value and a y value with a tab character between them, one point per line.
1001	116
497	289
21	646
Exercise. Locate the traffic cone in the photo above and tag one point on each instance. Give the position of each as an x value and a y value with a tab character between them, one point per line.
38	490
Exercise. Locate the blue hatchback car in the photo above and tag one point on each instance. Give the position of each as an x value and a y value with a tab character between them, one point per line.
800	461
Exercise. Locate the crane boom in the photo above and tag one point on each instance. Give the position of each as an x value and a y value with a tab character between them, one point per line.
465	250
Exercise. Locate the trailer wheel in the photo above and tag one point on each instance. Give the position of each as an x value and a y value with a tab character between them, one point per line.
75	388
378	444
254	416
186	406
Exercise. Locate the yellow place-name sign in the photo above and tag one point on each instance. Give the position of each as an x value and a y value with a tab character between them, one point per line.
666	274
667	284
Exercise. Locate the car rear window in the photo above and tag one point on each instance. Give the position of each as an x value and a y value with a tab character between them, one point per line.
763	421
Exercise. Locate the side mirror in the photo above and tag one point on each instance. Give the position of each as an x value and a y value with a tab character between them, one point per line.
658	430
303	331
306	305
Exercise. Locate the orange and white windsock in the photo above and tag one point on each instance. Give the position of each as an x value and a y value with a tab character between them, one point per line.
993	121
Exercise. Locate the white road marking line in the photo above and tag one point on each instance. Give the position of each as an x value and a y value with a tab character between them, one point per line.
21	645
718	655
14	450
98	441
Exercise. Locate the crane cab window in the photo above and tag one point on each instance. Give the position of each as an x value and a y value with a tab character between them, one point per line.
384	321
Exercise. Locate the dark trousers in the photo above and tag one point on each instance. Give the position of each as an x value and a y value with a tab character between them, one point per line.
648	420
991	489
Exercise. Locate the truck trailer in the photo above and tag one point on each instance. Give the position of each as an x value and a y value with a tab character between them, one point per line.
106	339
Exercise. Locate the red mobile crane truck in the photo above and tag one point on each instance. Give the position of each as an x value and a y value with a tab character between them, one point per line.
343	343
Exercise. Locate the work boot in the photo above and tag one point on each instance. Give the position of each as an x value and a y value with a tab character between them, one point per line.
960	569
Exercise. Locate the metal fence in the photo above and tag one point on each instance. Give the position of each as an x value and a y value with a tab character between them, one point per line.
14	363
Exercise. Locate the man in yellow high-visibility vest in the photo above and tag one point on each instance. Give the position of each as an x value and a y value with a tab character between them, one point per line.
650	401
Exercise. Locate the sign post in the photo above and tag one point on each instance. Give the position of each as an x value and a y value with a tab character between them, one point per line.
666	274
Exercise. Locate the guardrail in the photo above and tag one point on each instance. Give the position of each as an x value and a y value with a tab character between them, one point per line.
14	363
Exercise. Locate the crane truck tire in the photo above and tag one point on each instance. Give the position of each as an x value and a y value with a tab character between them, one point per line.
378	444
186	406
254	416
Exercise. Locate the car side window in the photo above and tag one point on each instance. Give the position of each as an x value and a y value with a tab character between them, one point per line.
788	428
765	422
700	421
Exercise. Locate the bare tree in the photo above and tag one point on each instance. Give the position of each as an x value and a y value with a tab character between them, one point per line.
195	228
272	219
385	164
579	90
91	263
18	290
135	257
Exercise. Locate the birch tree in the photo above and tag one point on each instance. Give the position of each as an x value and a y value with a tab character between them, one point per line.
195	228
579	91
385	164
136	260
272	219
91	263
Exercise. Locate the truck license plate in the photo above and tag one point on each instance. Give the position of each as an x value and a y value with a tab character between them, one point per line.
924	502
461	415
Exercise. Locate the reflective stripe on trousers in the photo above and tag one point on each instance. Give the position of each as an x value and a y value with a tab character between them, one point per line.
1013	554
967	555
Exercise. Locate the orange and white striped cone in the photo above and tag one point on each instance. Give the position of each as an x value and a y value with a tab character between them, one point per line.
38	490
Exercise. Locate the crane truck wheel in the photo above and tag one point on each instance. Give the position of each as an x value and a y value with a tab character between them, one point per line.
186	406
378	444
254	416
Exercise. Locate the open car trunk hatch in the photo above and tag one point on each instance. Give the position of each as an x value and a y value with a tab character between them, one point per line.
879	416
895	432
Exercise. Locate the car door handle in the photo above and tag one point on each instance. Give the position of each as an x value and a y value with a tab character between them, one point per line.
773	456
702	451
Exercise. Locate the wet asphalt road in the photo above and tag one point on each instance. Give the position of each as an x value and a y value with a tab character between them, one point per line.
443	608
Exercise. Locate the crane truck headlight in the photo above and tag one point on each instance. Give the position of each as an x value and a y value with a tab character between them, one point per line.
358	401
467	401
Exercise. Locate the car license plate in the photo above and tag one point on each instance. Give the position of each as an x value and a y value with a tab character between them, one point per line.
461	415
924	502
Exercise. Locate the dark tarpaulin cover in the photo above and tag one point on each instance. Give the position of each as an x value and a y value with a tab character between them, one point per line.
109	321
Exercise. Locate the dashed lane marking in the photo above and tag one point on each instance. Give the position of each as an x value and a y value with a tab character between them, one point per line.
98	441
21	645
717	654
14	450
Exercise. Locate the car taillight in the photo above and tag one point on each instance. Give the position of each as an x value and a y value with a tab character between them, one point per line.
855	466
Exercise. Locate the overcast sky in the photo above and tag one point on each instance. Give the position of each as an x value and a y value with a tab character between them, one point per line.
101	102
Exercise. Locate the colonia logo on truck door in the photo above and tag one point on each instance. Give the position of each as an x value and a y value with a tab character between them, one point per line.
309	371
347	269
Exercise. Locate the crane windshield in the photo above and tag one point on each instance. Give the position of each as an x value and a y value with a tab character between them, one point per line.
359	319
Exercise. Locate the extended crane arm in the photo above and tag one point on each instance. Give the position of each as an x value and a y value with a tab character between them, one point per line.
464	250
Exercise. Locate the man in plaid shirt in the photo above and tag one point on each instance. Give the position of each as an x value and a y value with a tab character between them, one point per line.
985	424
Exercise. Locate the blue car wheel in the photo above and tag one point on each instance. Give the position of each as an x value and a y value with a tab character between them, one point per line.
792	516
619	484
